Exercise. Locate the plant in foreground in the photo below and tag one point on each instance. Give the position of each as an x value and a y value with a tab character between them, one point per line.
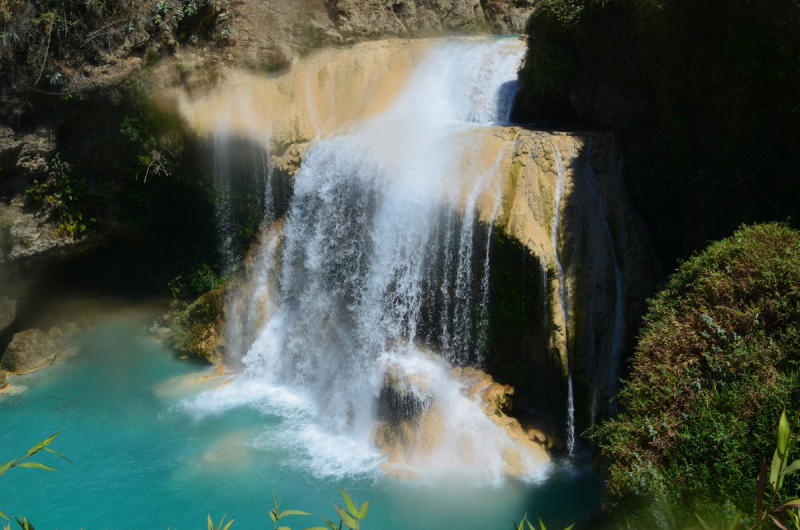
521	525
778	470
787	438
351	516
219	526
20	462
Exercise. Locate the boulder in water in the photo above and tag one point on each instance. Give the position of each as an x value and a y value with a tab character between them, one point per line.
413	424
28	351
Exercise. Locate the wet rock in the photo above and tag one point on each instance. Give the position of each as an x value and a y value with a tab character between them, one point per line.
28	351
36	150
289	163
8	312
196	329
411	423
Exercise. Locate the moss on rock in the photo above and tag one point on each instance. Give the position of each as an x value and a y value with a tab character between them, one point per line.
197	329
717	361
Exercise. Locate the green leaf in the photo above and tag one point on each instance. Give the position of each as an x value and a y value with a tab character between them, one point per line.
210	523
277	506
788	503
273	515
36	448
525	520
777	523
318	528
346	517
541	523
570	527
329	523
350	506
735	522
362	512
219	526
24	524
36	465
774	469
4	516
791	468
704	524
59	454
5	467
284	528
292	512
229	524
783	433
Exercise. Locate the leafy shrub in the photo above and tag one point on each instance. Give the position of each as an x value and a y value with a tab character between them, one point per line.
62	192
717	360
33	31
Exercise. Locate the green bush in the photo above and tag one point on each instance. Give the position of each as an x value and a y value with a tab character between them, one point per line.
63	193
717	360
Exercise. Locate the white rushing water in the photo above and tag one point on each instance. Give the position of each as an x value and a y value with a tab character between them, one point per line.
373	232
562	294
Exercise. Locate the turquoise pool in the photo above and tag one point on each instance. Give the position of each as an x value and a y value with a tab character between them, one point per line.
144	458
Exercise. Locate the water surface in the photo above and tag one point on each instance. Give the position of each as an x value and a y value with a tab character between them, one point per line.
144	458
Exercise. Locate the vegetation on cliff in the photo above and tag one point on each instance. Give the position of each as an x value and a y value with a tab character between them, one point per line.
703	96
717	361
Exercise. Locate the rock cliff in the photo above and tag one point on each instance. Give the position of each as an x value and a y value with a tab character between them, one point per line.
600	241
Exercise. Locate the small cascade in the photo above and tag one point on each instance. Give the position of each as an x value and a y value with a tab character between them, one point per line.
562	295
484	318
464	342
242	185
598	216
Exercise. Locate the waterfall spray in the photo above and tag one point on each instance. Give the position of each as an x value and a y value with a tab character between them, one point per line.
562	297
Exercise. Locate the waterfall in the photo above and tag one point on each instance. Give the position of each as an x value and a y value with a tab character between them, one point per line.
242	184
598	215
358	263
562	296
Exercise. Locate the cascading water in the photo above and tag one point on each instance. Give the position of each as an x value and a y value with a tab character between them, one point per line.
598	215
562	295
241	174
359	256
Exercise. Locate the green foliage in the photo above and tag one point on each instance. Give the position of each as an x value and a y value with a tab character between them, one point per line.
221	521
63	193
525	520
35	31
155	134
705	98
717	360
202	280
21	462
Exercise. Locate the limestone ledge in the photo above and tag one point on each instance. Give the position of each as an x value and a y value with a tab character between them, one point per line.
410	439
